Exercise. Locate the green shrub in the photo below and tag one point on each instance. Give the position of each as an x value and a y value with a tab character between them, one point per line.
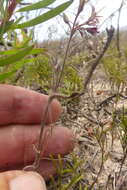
115	66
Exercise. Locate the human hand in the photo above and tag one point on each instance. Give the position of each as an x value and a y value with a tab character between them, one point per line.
21	111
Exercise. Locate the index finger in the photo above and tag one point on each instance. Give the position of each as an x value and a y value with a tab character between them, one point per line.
22	106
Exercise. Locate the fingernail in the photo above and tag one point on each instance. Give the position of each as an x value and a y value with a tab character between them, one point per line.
29	180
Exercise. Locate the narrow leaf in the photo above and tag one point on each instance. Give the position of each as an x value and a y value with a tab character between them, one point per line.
46	16
38	5
38	50
13	51
7	27
15	57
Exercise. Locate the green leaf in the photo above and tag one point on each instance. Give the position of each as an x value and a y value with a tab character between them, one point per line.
13	51
19	64
15	57
18	20
8	52
38	5
7	27
38	50
46	16
4	76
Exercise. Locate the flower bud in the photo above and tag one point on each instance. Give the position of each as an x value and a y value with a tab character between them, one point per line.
81	5
65	18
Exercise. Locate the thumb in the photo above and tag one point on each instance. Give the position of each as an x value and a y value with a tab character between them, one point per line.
21	180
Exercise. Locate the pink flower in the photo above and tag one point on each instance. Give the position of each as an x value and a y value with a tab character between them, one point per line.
92	30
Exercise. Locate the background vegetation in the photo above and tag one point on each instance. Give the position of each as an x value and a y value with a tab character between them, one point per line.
89	70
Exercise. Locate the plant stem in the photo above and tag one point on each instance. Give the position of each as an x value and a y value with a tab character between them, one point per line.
66	52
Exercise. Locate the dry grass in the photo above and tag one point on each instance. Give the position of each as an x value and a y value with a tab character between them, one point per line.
99	153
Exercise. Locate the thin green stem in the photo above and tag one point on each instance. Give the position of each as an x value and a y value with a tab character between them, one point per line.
66	53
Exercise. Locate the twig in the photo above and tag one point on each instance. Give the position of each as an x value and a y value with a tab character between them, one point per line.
89	163
99	172
39	149
118	28
95	63
110	33
107	100
123	160
25	3
90	119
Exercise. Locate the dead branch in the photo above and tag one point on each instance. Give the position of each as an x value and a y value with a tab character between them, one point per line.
110	33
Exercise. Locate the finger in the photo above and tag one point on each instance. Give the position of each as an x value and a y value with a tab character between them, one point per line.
22	106
47	168
20	180
16	143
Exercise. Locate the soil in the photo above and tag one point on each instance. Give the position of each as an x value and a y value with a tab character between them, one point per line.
99	144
